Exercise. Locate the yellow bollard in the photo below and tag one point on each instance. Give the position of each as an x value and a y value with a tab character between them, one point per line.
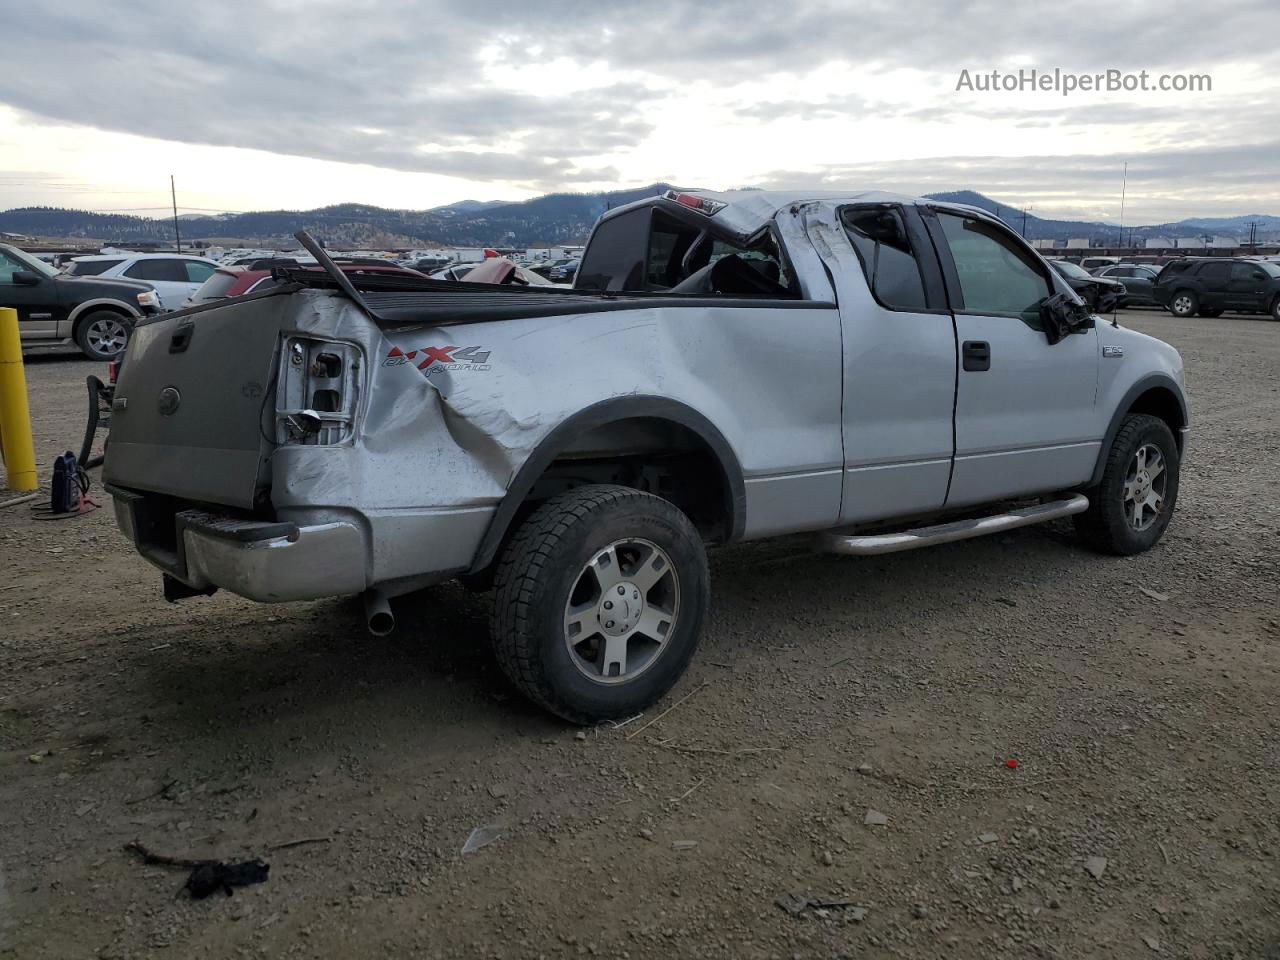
15	415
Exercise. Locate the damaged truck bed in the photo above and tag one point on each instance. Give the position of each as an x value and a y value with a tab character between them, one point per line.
729	366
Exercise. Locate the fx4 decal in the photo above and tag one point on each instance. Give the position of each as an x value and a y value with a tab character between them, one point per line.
431	359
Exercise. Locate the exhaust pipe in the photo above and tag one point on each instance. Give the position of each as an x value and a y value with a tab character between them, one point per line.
377	613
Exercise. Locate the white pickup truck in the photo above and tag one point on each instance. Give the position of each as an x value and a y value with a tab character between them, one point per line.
880	371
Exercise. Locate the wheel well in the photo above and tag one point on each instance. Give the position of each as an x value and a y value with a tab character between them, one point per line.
647	453
1160	402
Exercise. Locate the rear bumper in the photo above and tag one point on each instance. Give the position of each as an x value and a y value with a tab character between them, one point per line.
260	560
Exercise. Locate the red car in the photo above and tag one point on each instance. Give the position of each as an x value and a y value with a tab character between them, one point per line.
237	281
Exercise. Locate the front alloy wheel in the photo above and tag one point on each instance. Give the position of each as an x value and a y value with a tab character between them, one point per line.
1144	487
1131	506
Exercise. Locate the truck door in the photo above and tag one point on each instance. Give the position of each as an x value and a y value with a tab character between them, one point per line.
899	358
1247	287
35	302
1025	420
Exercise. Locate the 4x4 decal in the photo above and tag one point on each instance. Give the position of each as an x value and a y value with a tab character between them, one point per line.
440	358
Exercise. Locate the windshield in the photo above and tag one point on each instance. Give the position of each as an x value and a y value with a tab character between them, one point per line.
1070	270
1270	267
34	264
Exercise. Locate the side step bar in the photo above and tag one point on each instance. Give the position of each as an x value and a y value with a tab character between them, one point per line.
872	545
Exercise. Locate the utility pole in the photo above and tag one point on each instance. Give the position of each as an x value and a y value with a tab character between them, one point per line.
1024	221
1124	182
177	234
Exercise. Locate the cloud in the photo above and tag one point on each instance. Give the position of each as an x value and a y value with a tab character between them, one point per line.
1174	183
449	89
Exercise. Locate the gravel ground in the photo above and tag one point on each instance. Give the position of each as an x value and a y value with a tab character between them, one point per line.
831	780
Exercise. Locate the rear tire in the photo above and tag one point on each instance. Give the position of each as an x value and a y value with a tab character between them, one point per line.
102	334
1275	309
1184	303
1132	505
598	603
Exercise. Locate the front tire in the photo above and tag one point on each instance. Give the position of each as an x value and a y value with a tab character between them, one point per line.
1184	303
102	334
1132	505
599	601
1275	309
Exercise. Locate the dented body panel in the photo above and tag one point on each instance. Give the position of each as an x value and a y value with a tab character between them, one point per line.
350	446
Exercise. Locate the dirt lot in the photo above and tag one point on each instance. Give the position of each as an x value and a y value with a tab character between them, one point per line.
1140	698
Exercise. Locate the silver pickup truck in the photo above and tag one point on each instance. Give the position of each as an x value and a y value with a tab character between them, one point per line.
880	371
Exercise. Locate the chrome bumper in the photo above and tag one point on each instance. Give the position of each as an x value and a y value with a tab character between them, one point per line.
260	560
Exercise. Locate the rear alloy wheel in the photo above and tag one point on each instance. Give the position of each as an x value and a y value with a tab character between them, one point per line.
1184	304
598	602
102	335
1132	505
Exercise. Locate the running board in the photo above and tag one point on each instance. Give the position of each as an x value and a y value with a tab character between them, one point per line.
865	546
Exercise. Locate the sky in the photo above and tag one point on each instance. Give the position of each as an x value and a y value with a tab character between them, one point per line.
285	104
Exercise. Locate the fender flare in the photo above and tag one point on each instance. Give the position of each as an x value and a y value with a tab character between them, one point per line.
598	415
1146	383
82	308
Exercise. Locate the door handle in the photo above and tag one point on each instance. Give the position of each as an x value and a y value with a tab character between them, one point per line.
181	338
976	355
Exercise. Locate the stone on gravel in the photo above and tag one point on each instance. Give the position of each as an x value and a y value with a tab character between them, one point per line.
1096	866
987	838
875	818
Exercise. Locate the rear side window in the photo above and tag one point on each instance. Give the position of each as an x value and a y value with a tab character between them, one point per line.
1215	271
164	270
615	256
996	277
198	272
879	235
91	268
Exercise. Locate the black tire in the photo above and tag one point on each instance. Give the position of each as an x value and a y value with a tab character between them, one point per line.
93	329
1211	313
1275	309
1184	303
541	568
1104	526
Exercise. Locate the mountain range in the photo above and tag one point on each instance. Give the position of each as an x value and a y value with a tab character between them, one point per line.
551	220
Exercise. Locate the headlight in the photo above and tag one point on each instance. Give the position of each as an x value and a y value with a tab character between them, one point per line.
148	298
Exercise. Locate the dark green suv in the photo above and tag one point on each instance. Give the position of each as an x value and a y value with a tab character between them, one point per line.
1210	286
94	312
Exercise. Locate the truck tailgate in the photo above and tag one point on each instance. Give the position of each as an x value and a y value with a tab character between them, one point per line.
187	419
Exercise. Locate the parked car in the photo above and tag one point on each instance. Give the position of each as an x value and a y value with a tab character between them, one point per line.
545	267
174	276
1090	264
236	281
1209	286
564	272
879	371
96	313
1138	282
1100	294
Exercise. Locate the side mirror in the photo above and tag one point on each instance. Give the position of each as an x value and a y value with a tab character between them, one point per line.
25	278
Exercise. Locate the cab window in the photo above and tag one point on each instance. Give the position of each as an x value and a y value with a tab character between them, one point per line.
996	276
879	235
